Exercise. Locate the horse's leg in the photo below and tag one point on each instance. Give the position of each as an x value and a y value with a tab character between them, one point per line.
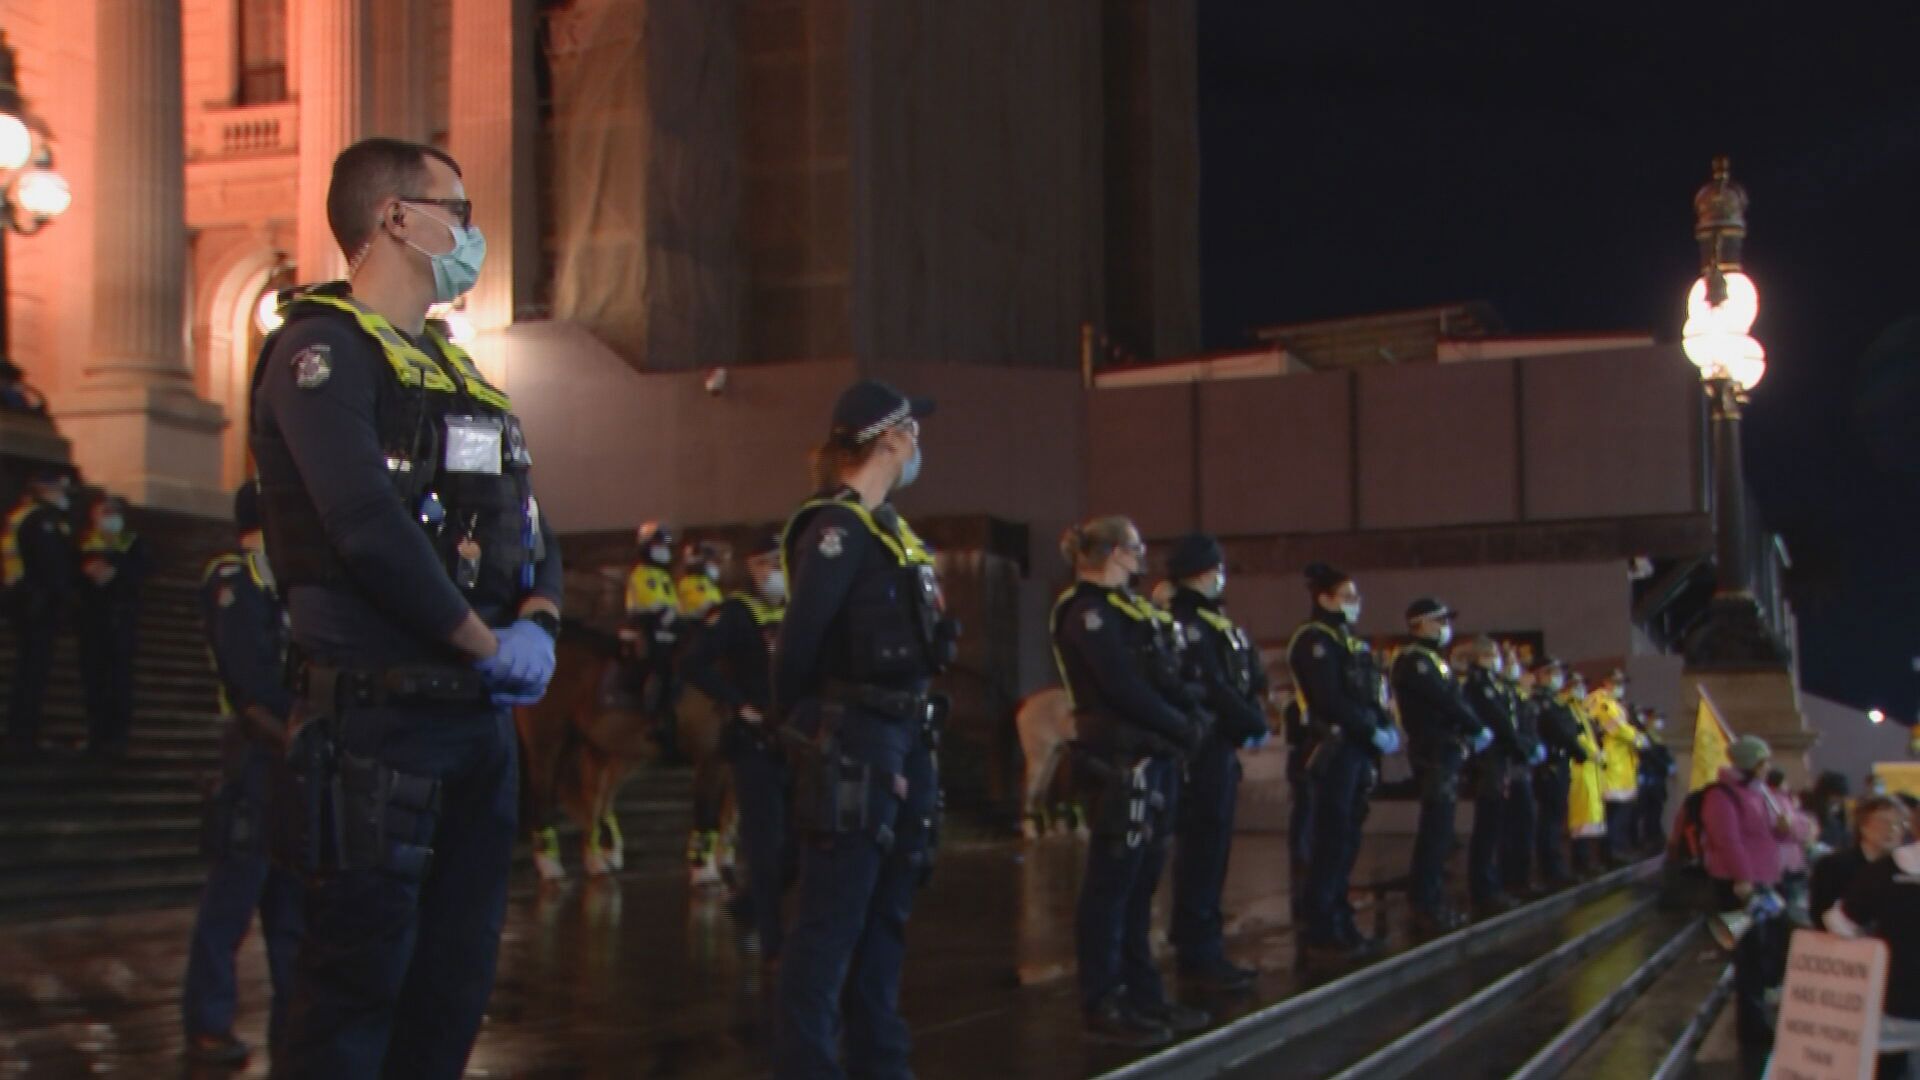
595	778
538	735
613	842
702	848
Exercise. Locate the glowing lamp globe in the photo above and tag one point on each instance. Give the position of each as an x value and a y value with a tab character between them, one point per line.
1716	337
266	313
42	193
16	142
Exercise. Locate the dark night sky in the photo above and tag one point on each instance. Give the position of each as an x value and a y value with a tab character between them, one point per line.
1359	158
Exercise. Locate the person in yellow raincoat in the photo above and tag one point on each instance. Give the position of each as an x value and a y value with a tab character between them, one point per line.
1586	814
1620	745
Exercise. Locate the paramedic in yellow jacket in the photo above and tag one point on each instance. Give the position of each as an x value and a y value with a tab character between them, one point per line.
1586	814
1620	744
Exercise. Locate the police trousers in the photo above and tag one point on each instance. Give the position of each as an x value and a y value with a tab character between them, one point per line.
1203	841
395	970
761	790
107	634
1115	916
1550	783
1517	827
1342	784
34	630
841	968
1434	839
241	883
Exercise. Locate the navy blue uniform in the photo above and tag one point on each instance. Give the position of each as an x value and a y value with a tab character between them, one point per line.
1492	772
374	510
731	662
1341	708
38	580
1133	726
108	630
1560	735
246	627
1520	823
1438	724
852	667
1233	684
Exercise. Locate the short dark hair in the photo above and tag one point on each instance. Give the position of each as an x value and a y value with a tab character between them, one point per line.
368	173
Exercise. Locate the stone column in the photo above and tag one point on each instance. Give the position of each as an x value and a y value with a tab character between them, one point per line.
331	38
492	136
136	424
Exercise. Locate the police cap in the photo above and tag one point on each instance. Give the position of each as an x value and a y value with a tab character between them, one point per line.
868	408
1428	605
246	507
1194	555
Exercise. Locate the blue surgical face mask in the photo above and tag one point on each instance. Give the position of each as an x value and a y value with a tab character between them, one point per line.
455	271
911	470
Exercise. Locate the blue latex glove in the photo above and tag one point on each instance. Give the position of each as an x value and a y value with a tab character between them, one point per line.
1538	755
1259	740
1766	904
518	672
1386	739
1482	740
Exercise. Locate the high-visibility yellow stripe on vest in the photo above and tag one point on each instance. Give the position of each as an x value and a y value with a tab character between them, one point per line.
764	614
649	588
697	593
96	544
214	566
13	564
1341	637
906	548
410	363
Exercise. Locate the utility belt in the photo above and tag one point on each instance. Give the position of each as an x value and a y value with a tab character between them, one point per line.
836	793
925	709
352	812
1128	810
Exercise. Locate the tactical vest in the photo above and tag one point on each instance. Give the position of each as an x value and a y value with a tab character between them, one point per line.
13	559
1340	636
215	566
649	588
1151	639
696	594
767	617
892	618
1239	650
454	451
96	544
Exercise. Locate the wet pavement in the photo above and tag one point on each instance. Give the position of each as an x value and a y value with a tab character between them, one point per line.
643	977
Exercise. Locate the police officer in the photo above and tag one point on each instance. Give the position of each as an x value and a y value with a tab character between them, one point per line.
1441	731
698	587
113	566
731	662
246	627
1656	767
1233	686
1491	770
424	587
1341	696
1560	735
1134	717
865	633
650	639
1520	815
37	572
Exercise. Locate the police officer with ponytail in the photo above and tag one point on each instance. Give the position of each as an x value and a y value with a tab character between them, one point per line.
1136	726
424	587
865	633
1341	697
1233	686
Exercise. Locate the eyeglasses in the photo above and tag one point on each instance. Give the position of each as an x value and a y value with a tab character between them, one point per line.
461	209
1134	548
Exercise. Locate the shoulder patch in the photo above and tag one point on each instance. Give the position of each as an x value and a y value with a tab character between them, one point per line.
1093	620
313	366
833	541
1420	664
1319	649
225	598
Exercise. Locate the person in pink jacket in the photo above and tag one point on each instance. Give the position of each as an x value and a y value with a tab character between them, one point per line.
1741	833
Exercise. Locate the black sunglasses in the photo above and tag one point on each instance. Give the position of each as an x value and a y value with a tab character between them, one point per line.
462	209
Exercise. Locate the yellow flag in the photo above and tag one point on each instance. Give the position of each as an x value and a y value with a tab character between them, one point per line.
1710	741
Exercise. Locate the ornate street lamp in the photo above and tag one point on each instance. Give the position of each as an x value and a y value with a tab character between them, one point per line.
1721	307
31	192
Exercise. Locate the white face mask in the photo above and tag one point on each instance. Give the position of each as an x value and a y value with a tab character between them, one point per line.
1213	585
111	524
1352	612
660	554
773	587
1446	635
1556	684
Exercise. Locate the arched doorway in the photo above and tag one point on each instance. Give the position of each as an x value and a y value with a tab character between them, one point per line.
233	340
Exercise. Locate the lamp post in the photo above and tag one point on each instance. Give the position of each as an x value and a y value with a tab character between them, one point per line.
31	192
1721	308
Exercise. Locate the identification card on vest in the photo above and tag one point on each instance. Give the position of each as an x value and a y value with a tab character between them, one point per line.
473	445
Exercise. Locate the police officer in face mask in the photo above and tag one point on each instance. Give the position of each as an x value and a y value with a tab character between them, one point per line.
1233	687
1491	770
731	662
1340	695
865	632
36	578
1441	732
424	586
1560	735
113	567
